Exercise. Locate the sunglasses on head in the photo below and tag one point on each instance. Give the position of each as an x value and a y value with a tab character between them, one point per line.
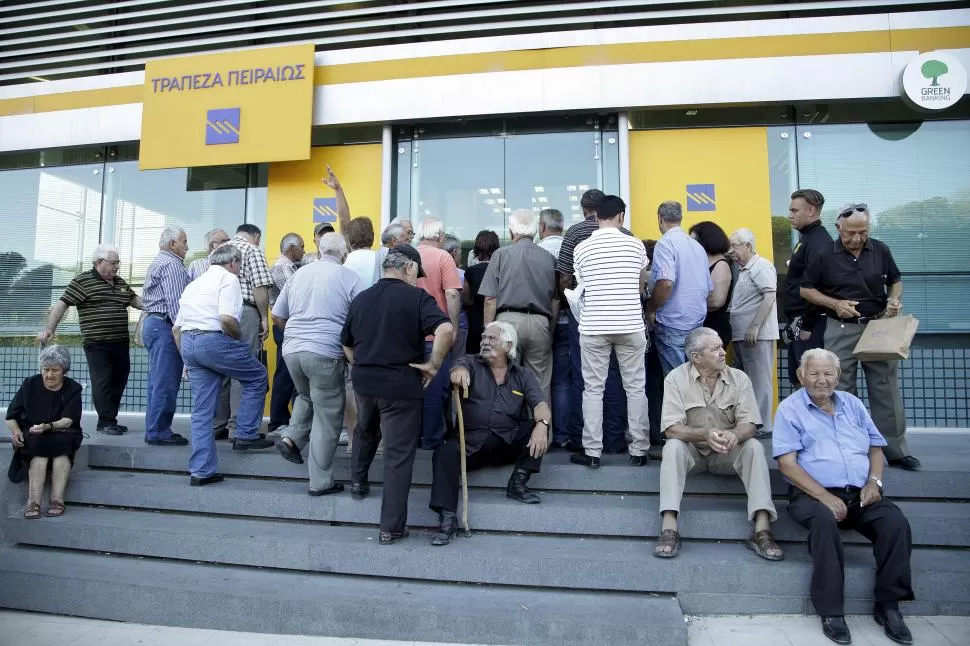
858	208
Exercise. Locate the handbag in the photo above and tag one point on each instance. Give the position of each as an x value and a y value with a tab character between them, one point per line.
887	339
17	471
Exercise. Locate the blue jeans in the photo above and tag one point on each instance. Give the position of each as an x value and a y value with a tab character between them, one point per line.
283	389
211	358
435	400
670	346
614	398
561	384
164	377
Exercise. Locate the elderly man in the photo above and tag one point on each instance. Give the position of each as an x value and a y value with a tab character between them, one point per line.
831	453
806	322
856	280
550	239
441	281
383	339
678	303
754	322
498	430
208	333
213	240
550	231
613	268
710	418
102	299
165	281
312	310
520	288
291	255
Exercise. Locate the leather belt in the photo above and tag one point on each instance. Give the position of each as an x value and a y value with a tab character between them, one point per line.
523	310
161	315
250	304
201	332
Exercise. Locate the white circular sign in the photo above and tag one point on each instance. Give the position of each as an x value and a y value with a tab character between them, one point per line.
934	81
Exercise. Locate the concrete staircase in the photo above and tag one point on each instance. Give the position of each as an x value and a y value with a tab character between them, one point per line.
255	553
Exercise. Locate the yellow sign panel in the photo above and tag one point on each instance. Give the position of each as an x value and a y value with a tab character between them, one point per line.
231	108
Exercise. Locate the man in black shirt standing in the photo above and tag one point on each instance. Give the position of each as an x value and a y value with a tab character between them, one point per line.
857	281
806	322
383	339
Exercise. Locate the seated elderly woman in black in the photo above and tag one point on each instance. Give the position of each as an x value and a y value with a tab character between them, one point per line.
45	420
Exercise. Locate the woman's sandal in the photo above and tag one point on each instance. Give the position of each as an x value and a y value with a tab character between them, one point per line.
763	541
33	511
669	538
56	509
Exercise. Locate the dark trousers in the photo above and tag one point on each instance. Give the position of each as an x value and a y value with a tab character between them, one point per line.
882	523
109	363
399	422
562	382
283	389
435	401
495	452
799	347
655	392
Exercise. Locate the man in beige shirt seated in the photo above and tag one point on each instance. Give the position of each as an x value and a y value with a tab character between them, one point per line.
710	417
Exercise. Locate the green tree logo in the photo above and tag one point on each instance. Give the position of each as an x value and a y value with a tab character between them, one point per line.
934	70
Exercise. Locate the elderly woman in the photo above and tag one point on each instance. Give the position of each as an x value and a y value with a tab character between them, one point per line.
45	420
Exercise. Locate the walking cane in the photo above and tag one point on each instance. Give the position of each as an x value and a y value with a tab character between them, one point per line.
464	467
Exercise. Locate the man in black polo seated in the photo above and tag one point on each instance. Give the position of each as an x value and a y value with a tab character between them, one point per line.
498	430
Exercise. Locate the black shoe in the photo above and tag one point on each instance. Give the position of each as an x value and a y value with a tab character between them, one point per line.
835	628
638	460
220	435
892	623
447	530
112	429
571	445
251	445
909	463
359	490
174	440
335	488
585	460
289	452
199	482
387	538
655	452
517	489
124	429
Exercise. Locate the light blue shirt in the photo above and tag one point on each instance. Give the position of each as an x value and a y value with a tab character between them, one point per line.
833	449
683	261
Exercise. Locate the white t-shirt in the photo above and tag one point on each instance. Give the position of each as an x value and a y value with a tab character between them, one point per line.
609	263
213	294
361	262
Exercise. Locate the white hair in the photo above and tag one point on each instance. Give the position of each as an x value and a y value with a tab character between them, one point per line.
55	356
431	229
102	251
744	236
334	245
819	354
169	235
524	223
290	240
393	231
508	336
694	342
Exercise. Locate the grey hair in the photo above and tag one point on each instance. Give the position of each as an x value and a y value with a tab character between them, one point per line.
396	262
431	229
290	240
819	354
55	356
333	245
744	236
225	254
671	212
508	335
212	234
451	244
101	252
552	218
523	223
392	232
695	340
169	235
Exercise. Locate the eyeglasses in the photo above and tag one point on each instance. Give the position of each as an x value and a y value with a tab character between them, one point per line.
113	263
858	208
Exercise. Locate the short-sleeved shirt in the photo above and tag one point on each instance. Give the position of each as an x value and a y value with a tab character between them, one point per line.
686	401
363	263
214	294
837	273
574	235
552	244
315	302
610	264
521	277
814	240
682	260
439	268
496	408
756	279
254	272
833	449
165	281
281	272
102	307
386	327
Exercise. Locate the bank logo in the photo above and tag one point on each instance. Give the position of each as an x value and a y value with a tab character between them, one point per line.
934	81
324	209
933	70
222	126
700	197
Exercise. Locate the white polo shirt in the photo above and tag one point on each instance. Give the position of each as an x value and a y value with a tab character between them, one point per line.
213	294
609	262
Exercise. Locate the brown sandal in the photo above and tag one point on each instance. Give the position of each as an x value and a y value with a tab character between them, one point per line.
668	538
763	541
56	509
33	511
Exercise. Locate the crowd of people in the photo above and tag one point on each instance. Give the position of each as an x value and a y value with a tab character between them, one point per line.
586	340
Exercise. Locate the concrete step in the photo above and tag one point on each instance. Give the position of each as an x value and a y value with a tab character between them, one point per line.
574	513
707	577
275	601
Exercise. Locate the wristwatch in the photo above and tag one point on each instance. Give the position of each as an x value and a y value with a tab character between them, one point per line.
877	481
543	421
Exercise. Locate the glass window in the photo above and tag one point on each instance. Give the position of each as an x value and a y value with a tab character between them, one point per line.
782	181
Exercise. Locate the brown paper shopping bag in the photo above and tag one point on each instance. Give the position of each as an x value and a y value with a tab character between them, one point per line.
886	339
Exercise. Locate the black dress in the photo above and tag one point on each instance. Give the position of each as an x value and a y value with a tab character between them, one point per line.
474	275
719	320
35	404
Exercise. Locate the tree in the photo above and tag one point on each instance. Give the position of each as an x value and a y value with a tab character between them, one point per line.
934	69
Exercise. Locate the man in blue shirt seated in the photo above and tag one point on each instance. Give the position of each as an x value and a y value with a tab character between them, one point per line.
498	429
828	448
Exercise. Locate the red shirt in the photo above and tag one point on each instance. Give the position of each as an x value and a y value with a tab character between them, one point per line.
441	273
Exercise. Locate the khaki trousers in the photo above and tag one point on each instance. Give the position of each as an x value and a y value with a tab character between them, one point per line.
747	460
535	344
758	362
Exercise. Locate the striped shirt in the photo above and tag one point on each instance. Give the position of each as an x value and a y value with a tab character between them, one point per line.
199	267
609	263
254	272
576	234
165	281
102	307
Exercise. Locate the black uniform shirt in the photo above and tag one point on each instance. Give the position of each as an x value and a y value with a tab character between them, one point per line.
814	240
496	408
839	274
